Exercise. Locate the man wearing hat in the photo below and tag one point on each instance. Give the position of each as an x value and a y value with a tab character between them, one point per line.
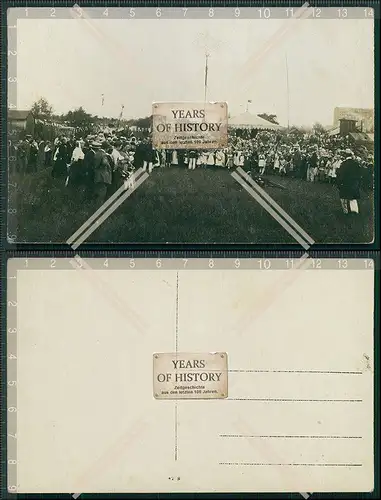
313	165
348	179
61	159
88	166
102	171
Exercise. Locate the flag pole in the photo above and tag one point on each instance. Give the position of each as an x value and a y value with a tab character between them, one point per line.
288	95
121	115
206	76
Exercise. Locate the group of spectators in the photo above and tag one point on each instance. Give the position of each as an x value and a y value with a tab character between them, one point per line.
102	162
312	157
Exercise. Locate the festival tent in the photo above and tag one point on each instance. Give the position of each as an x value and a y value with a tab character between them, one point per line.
334	131
250	121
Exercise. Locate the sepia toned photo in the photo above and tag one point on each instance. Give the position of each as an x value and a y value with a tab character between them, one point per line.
212	396
287	158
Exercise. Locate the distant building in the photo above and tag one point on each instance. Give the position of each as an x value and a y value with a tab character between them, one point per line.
349	128
21	120
364	117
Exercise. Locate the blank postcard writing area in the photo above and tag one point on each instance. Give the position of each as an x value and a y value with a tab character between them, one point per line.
298	415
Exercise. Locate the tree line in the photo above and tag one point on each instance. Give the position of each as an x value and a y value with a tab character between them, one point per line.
80	119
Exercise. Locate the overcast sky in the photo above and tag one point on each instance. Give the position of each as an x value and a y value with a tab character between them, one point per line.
135	62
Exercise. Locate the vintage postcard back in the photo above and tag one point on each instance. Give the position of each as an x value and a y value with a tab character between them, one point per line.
288	352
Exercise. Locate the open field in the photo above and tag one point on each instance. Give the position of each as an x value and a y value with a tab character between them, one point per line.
177	205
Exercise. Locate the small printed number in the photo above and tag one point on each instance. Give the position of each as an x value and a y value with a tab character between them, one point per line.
12	382
52	12
12	52
264	13
12	409
12	211
132	12
185	10
158	263
132	263
342	12
316	263
237	263
26	12
78	11
12	488
211	12
14	436
158	12
105	12
211	263
185	262
53	263
105	263
12	303
237	12
12	356
12	462
12	79
316	12
12	330
343	264
265	264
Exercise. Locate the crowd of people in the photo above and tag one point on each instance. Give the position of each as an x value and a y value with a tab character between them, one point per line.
103	161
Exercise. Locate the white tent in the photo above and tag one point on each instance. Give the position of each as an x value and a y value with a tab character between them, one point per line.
334	131
248	120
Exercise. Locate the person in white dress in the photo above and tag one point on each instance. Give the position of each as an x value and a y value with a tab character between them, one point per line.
236	157
261	164
282	166
175	160
276	163
332	172
241	160
220	159
210	159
